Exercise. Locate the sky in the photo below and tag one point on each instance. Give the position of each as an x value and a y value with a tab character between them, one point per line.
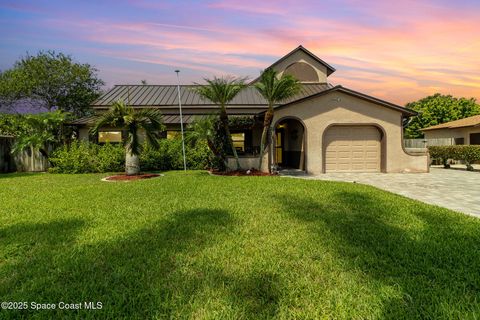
398	50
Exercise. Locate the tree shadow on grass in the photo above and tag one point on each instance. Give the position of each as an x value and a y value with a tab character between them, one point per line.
432	257
19	174
165	270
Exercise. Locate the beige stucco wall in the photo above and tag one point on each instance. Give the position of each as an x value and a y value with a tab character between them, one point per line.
300	56
248	162
340	108
452	133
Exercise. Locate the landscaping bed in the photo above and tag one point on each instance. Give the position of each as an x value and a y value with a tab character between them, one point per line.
241	173
124	177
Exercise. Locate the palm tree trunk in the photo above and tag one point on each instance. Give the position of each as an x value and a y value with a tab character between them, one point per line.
265	141
216	152
224	120
132	164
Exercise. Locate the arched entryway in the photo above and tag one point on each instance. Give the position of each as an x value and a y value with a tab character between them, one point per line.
289	144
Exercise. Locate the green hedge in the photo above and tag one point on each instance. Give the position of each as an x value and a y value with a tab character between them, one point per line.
468	153
85	157
170	156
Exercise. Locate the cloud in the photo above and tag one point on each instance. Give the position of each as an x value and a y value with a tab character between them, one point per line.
397	50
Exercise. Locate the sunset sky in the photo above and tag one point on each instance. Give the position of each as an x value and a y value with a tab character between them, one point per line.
396	50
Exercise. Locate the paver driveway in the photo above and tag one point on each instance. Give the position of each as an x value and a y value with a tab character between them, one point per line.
453	189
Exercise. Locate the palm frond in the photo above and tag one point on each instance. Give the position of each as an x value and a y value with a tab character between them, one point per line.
275	89
220	90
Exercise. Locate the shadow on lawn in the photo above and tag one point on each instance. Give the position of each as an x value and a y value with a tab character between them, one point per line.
435	264
18	174
159	271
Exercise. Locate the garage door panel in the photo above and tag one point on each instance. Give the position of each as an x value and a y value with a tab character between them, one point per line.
352	149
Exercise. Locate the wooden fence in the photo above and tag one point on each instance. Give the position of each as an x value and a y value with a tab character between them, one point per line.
28	161
423	143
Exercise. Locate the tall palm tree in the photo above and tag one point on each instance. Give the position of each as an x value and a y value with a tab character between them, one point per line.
125	117
221	91
274	89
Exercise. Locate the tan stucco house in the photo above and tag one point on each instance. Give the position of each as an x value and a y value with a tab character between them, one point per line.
462	131
324	128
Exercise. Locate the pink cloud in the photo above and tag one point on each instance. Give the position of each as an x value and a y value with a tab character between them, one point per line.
412	54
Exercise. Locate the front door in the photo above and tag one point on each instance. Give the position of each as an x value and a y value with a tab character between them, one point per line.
279	139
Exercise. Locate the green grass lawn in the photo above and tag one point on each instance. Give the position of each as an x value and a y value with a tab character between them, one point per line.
203	247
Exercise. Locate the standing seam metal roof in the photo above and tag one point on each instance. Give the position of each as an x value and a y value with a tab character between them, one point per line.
166	95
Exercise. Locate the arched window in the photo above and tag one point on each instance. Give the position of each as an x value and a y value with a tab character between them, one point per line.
302	71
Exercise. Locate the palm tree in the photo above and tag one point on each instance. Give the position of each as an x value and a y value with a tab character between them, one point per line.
221	91
125	117
274	90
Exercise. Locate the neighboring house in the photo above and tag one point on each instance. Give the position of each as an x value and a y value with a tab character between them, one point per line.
324	128
462	131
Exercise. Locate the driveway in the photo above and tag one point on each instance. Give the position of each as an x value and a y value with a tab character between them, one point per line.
454	189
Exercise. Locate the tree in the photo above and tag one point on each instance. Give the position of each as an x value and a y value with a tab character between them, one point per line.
125	117
205	129
40	132
221	91
437	109
51	81
274	90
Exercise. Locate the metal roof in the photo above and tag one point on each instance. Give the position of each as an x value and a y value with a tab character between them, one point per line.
166	95
166	119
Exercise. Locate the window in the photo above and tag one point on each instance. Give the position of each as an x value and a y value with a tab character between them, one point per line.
109	136
475	138
239	141
172	134
302	71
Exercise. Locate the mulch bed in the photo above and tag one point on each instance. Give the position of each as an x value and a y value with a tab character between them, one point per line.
242	173
123	177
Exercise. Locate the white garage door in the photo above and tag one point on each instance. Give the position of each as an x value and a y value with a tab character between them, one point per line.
352	149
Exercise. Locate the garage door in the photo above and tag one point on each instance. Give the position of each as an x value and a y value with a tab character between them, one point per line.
352	149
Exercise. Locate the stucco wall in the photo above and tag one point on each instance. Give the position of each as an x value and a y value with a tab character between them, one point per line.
248	162
339	108
452	133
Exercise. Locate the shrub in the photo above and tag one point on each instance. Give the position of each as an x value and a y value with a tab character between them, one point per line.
85	157
170	155
468	153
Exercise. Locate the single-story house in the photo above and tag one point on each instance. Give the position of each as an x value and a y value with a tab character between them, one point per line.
324	128
462	131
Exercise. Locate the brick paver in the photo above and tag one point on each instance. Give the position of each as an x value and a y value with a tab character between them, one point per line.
457	190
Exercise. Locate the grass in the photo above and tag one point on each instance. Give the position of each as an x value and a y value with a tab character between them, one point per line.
204	247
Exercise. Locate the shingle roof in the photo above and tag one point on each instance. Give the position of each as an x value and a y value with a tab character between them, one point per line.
166	95
465	122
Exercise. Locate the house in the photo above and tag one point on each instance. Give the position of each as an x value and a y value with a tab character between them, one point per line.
324	128
462	131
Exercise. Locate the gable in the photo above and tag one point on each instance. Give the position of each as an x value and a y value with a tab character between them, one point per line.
303	65
355	94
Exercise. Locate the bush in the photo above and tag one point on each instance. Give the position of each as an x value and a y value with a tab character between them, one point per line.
170	155
468	153
85	157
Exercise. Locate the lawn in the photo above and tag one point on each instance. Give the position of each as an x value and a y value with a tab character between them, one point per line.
198	246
